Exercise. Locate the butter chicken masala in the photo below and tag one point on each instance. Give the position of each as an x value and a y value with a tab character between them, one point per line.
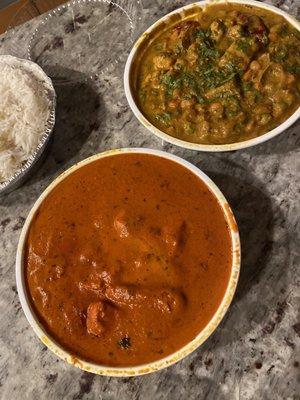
127	259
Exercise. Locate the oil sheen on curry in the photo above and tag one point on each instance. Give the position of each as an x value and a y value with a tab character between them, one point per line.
127	259
226	74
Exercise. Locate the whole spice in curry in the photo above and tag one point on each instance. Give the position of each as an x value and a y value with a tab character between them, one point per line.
226	74
114	259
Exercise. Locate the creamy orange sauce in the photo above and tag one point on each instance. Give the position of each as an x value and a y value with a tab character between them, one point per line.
127	259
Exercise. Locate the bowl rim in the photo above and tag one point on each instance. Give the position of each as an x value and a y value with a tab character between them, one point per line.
197	146
21	174
183	351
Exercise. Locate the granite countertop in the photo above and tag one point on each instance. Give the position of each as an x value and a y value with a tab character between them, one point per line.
253	353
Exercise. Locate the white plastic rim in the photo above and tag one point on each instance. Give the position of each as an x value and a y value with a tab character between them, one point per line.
185	350
197	146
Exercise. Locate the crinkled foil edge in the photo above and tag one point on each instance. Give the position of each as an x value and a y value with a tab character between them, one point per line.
15	180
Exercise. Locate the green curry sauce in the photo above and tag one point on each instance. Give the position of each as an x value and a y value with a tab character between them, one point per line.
225	74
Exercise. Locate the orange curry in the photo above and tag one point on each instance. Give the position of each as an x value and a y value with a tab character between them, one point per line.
127	259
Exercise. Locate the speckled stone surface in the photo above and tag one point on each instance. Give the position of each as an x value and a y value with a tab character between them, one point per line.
254	353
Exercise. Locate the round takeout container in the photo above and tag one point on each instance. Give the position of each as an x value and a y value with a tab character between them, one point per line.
29	167
154	29
185	350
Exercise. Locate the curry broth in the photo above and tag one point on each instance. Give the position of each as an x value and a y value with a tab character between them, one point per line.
222	74
127	259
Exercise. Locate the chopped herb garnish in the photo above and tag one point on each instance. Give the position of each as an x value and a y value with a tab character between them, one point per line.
243	45
247	86
202	33
142	95
164	117
280	55
158	47
125	342
171	82
257	95
294	69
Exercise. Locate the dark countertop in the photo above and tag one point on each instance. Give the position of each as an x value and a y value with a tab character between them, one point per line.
252	354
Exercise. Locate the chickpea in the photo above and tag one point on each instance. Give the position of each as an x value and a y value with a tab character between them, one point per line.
216	109
264	119
287	97
187	103
255	66
217	30
173	104
199	108
290	79
203	129
235	32
176	94
162	62
224	131
278	109
249	126
273	36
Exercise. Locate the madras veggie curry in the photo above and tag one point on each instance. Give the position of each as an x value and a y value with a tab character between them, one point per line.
222	75
127	259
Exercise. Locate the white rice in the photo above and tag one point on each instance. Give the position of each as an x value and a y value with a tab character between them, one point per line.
24	111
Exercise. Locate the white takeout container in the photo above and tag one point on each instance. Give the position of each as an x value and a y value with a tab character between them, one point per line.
182	143
185	350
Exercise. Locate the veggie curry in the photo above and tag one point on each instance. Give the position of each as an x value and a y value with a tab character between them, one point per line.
127	259
222	75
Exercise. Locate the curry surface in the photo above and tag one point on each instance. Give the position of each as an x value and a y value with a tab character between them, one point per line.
127	259
222	75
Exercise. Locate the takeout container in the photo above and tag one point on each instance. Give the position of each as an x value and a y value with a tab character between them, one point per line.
141	42
184	351
32	163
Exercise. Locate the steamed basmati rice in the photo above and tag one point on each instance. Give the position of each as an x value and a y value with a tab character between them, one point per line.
24	111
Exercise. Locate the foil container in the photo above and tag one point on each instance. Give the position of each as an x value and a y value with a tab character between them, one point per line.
27	169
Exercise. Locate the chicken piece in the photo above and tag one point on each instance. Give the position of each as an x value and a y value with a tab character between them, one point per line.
96	282
239	53
274	78
121	224
228	88
162	62
165	300
174	238
235	32
192	54
217	29
94	318
257	69
169	301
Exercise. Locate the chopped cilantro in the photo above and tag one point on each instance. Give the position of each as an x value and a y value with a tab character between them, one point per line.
125	342
280	55
202	33
171	82
247	86
294	69
164	117
142	95
243	45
